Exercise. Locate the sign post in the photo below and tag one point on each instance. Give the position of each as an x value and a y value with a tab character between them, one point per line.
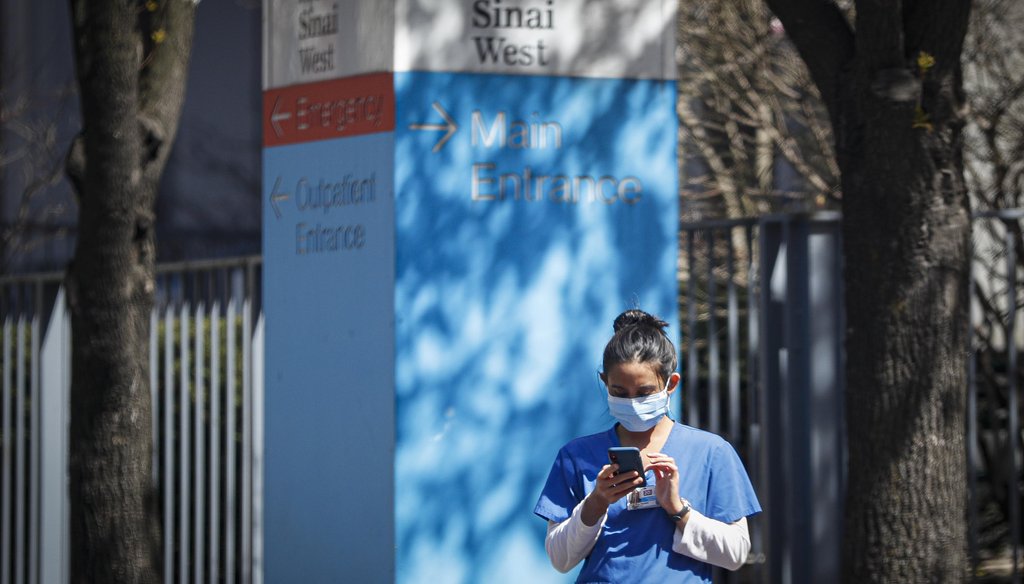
455	209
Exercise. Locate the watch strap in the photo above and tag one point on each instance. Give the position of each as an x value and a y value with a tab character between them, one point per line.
682	513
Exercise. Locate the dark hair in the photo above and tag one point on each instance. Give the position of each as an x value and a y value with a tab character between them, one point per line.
640	338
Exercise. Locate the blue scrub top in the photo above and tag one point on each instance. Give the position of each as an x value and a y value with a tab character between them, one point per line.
636	546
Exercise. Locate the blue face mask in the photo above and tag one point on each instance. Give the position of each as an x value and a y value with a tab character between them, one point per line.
639	414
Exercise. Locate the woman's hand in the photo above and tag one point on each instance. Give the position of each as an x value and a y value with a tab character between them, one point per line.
666	490
609	489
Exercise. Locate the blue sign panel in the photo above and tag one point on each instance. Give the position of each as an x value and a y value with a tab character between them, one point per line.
328	282
529	212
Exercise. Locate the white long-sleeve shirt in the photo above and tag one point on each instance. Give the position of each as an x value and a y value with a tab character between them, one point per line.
702	538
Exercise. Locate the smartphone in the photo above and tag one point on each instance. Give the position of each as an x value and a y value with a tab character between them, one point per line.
628	459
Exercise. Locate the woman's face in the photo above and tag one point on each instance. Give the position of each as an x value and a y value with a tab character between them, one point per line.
633	380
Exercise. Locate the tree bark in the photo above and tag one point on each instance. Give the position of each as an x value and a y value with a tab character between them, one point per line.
906	244
131	64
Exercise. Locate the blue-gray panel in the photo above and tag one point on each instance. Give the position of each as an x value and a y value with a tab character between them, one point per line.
328	288
503	305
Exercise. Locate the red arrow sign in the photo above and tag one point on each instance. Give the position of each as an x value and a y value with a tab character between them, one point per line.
338	108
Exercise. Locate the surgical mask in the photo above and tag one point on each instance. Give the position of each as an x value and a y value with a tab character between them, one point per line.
641	413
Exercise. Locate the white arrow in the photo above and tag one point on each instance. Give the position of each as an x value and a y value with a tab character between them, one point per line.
276	197
276	116
449	125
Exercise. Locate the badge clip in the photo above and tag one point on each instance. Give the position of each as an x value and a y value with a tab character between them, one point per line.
641	498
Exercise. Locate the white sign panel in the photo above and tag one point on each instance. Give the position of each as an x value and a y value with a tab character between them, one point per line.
578	38
314	40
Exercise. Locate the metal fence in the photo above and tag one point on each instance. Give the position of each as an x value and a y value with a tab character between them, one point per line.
762	335
994	441
761	302
762	328
719	285
207	389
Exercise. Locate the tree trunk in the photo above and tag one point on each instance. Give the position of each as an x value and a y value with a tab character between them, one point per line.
132	85
894	95
906	243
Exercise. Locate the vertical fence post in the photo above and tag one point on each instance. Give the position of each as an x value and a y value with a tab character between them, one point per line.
215	396
755	460
972	427
1013	431
35	420
168	438
19	444
6	461
184	440
692	403
732	348
154	398
733	323
772	398
247	330
200	460
229	436
257	456
796	378
55	383
824	383
714	399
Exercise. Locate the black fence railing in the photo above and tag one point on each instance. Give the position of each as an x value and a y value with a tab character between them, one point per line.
761	304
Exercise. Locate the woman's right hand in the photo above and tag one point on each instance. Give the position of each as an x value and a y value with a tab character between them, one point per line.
609	489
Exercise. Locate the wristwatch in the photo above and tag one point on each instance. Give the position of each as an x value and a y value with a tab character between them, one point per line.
682	512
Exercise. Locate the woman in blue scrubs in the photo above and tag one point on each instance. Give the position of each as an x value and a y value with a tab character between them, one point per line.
694	517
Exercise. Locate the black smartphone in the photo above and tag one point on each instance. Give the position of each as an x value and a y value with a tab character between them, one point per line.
628	459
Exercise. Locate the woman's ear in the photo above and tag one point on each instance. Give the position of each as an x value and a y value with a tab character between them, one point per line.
673	382
604	378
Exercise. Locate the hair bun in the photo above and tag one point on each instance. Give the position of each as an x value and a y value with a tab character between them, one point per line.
637	317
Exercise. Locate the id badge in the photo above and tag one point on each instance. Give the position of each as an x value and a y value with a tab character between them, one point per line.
641	498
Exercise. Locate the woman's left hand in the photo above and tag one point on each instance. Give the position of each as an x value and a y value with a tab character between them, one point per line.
666	489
